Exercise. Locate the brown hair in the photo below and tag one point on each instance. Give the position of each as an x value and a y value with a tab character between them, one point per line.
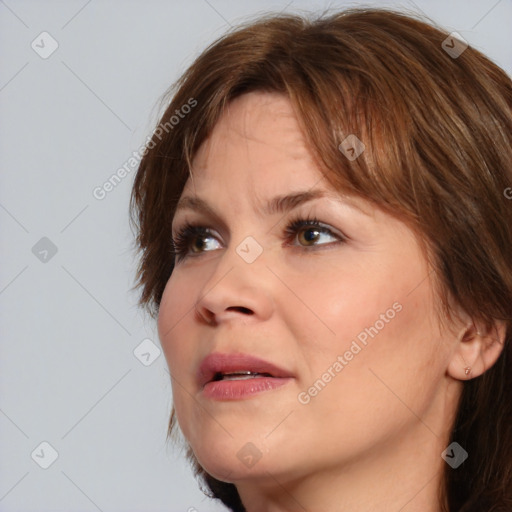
438	135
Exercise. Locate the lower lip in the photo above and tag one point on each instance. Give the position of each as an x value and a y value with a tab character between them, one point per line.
239	389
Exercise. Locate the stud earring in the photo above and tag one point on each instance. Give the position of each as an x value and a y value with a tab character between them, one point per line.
467	370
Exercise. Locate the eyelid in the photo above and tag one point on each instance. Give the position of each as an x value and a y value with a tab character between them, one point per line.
191	229
196	224
306	219
301	222
282	224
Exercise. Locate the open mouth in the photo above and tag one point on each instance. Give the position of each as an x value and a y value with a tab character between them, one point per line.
236	376
242	375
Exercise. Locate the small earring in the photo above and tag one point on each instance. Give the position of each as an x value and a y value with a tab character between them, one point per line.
467	370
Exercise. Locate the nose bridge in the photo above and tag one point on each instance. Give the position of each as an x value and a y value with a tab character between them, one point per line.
238	285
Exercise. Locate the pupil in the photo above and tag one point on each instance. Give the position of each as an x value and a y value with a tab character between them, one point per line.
199	244
314	233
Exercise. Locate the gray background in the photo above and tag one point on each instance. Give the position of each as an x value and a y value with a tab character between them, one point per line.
69	322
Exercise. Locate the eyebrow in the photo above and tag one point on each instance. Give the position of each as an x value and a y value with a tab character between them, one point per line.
279	204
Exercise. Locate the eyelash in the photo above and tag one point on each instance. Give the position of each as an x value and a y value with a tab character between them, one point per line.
182	239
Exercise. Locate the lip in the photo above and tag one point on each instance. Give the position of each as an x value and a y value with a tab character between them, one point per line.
241	389
218	362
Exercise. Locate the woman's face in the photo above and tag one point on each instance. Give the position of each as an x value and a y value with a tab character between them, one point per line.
345	309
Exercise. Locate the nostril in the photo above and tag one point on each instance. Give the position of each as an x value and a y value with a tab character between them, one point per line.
241	309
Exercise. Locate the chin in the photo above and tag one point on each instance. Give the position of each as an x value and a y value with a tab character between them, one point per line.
232	459
227	467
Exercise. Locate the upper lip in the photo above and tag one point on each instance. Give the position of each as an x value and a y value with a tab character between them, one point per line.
217	362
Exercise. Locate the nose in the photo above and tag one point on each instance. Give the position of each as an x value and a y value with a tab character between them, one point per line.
235	291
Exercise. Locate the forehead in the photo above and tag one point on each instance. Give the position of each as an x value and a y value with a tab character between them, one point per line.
258	139
257	152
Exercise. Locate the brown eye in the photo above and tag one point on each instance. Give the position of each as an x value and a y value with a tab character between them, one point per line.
309	231
309	235
198	243
190	241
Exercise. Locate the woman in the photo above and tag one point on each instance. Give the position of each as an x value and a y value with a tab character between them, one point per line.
326	241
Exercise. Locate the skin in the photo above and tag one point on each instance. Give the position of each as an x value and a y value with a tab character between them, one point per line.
372	438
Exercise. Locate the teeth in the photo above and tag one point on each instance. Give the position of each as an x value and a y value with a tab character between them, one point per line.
233	376
242	375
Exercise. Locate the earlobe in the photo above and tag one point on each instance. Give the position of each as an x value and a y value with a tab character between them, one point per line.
477	350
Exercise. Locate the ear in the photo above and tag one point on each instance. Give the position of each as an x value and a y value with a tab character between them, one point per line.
477	349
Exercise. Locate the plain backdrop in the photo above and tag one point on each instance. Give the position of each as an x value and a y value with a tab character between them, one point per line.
84	391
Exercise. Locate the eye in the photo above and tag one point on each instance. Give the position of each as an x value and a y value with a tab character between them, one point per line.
190	239
311	228
186	240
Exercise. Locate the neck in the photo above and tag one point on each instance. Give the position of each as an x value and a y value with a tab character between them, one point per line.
403	476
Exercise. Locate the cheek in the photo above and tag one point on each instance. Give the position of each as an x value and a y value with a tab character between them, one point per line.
382	319
174	315
398	368
175	308
341	305
387	295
